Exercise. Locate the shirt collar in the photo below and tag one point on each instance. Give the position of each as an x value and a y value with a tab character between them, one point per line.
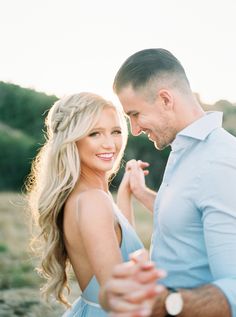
199	129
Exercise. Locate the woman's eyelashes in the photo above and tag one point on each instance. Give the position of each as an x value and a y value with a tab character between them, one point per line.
97	133
117	131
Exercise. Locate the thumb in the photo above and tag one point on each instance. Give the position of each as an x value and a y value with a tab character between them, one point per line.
140	255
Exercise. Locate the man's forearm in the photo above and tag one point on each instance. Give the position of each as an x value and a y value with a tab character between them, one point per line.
146	197
205	301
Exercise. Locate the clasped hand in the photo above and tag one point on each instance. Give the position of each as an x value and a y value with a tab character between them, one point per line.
134	177
133	288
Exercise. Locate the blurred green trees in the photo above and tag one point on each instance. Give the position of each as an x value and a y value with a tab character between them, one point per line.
22	115
24	109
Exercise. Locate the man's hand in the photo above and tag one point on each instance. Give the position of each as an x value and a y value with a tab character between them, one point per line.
132	289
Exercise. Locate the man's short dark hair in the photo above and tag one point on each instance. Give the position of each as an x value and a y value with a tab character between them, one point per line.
145	65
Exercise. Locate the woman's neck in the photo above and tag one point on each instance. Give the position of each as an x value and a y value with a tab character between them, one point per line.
92	180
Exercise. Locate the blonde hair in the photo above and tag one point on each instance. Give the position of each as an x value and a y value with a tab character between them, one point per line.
54	174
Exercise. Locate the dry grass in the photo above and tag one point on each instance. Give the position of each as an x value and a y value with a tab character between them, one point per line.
19	283
18	279
15	265
143	221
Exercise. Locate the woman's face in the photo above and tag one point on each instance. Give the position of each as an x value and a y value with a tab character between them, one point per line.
99	149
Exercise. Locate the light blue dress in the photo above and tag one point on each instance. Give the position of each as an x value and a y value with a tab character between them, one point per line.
87	304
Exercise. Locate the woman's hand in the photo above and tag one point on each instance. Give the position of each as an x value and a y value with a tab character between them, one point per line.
134	176
133	182
137	172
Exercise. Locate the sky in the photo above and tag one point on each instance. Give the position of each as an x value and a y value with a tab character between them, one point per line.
67	46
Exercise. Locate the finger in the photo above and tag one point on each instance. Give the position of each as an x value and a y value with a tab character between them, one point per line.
131	161
126	175
136	171
148	265
131	164
142	273
150	276
137	167
119	305
145	293
142	163
120	308
121	287
125	269
142	312
140	255
147	274
129	268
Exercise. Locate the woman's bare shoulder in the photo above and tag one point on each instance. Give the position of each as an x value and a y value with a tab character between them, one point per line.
94	202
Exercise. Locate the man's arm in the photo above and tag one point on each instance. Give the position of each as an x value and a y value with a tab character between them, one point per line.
146	198
130	289
205	301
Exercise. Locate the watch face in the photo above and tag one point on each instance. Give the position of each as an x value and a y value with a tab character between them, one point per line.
174	304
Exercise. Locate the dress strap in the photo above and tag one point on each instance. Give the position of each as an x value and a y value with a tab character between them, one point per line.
91	303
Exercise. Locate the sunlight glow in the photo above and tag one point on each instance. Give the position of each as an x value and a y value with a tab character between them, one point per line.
66	46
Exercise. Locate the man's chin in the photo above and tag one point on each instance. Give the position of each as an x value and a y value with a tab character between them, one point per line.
157	146
160	147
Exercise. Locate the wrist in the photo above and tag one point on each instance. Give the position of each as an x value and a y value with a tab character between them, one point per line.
140	193
124	187
124	192
146	197
159	309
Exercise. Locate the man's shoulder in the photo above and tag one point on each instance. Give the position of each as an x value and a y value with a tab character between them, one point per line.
221	141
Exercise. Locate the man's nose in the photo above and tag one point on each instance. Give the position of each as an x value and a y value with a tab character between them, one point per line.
135	128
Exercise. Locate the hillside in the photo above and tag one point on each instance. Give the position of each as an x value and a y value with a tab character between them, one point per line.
22	115
229	110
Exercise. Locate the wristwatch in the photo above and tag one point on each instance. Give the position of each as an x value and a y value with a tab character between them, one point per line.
173	303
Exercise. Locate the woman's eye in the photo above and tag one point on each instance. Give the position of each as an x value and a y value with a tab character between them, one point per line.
94	134
116	132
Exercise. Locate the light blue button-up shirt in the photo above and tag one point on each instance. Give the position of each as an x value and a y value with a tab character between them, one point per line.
194	236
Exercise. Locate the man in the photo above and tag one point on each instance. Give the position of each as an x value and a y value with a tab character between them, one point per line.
194	236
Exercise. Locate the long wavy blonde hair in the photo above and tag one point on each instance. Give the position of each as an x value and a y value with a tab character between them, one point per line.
54	173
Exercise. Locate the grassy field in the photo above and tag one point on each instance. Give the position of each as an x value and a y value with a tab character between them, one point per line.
19	283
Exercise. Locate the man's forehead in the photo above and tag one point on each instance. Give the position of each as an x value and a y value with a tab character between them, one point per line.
127	92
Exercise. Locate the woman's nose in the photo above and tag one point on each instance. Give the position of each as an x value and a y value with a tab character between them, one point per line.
108	142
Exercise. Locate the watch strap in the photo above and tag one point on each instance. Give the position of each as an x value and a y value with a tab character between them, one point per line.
172	290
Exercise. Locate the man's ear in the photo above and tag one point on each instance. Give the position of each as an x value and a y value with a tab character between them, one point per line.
166	98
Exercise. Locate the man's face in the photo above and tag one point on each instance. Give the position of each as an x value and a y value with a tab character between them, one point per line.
151	118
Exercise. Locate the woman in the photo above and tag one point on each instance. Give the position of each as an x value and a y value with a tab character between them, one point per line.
79	222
